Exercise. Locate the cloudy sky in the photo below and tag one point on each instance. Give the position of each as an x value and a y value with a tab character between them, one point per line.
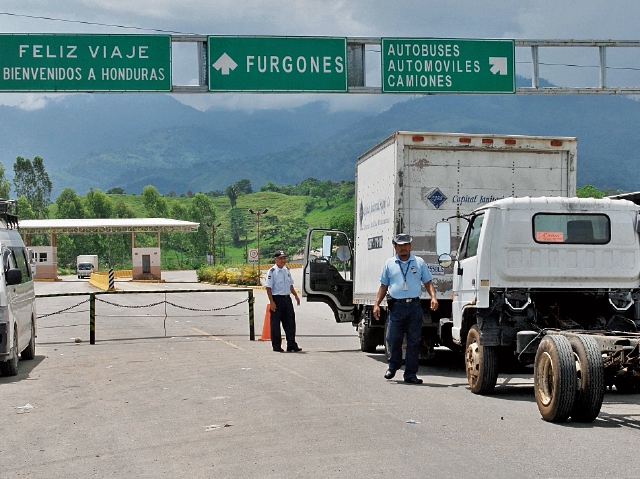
513	19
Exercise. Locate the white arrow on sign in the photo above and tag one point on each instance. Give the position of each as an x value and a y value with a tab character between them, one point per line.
498	65
226	63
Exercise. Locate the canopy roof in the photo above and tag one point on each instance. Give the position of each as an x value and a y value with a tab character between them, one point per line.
106	226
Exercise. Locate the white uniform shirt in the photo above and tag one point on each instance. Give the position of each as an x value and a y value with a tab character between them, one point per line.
279	280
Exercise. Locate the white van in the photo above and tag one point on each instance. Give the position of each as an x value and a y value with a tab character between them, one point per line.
17	296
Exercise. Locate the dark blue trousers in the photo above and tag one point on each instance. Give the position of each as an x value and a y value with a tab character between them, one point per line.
284	314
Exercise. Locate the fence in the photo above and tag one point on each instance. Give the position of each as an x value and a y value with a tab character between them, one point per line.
95	296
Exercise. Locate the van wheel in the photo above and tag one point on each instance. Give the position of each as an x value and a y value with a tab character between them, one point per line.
590	371
10	367
481	364
555	378
30	351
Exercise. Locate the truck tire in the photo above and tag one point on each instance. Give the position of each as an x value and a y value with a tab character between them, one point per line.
481	363
30	351
10	367
368	336
555	378
590	372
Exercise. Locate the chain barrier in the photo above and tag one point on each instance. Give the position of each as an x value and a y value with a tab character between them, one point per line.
172	304
94	296
63	310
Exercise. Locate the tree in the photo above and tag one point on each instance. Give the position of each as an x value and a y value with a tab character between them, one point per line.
201	211
237	224
116	191
98	204
343	222
589	191
232	193
244	186
327	190
123	210
69	205
5	186
32	181
155	204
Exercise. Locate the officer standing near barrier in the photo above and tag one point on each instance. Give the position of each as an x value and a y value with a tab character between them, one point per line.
402	277
279	285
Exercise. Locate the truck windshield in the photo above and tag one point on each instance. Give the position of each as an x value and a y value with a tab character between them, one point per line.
571	228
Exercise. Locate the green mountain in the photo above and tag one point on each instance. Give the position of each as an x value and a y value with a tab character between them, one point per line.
130	141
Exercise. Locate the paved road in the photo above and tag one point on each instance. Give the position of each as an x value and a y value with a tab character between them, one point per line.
201	400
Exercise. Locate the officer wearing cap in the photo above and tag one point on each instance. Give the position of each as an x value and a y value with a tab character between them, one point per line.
402	277
279	285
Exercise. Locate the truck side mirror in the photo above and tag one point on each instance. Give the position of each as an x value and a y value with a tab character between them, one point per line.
445	260
443	239
326	246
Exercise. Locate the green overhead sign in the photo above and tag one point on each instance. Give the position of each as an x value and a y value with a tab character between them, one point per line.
52	62
278	64
433	65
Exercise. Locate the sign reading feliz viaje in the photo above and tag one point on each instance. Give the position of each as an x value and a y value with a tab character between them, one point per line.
287	64
432	65
53	62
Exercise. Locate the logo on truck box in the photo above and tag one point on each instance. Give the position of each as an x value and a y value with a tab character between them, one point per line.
435	197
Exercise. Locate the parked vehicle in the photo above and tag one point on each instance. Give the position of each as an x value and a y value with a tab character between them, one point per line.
553	282
86	264
17	295
408	183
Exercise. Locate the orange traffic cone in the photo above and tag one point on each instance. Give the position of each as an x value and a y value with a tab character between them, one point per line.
266	325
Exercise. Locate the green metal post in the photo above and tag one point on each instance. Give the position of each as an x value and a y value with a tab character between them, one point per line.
92	318
252	330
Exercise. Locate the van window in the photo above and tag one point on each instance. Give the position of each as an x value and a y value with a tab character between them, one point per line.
22	263
571	228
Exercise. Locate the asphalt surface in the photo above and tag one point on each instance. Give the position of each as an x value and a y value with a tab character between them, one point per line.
188	395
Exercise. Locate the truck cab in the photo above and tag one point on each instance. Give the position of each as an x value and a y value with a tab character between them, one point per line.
528	268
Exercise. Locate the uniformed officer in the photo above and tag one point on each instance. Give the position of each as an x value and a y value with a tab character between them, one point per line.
279	285
402	277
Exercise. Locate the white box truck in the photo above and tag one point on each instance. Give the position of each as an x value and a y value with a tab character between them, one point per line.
407	184
86	264
553	282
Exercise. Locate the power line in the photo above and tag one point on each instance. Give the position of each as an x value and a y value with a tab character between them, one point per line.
579	66
91	23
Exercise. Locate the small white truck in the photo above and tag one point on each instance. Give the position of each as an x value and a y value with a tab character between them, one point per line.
553	282
408	183
86	264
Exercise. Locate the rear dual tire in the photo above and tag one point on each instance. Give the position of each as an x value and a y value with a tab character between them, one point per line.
569	378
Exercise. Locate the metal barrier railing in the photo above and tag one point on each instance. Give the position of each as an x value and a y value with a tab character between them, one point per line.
92	304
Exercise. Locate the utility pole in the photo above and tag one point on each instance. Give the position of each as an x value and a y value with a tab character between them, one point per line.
258	213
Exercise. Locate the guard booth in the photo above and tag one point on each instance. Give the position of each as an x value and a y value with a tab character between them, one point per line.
46	261
146	262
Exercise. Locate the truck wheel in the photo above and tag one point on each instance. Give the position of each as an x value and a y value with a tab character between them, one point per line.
590	372
368	336
555	378
30	351
10	367
481	364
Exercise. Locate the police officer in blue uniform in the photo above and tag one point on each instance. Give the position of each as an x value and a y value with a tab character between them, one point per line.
279	285
402	277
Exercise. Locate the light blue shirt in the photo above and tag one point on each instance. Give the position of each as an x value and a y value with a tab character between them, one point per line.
394	272
279	280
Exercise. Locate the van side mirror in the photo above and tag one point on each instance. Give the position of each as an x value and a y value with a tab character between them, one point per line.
13	276
443	238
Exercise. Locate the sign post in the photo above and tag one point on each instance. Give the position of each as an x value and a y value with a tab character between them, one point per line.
253	256
52	62
285	64
432	65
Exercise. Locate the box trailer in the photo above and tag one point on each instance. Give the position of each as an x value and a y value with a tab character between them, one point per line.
407	184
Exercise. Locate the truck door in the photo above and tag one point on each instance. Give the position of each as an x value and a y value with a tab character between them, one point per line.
327	270
465	272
